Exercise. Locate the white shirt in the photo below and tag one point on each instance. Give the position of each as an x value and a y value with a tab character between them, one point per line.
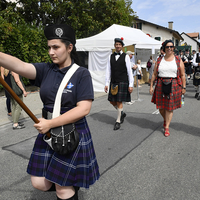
128	67
167	68
194	63
139	68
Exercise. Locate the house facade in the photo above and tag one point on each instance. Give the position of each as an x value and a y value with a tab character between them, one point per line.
191	39
159	32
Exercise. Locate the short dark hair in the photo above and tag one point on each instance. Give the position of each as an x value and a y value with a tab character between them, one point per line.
165	43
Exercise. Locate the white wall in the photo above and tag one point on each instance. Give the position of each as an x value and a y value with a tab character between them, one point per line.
156	32
189	42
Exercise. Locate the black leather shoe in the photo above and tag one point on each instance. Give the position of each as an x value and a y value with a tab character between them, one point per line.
198	98
196	95
116	126
123	115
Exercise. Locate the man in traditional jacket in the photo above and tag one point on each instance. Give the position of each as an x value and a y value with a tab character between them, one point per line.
119	75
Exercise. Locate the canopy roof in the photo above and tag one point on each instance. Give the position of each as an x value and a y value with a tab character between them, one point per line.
105	40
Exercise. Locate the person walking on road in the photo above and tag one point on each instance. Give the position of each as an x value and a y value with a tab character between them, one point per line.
121	85
50	170
150	69
134	68
170	74
196	77
16	81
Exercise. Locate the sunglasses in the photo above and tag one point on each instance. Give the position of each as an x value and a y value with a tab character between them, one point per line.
167	47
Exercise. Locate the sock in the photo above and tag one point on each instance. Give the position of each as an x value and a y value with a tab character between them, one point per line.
119	111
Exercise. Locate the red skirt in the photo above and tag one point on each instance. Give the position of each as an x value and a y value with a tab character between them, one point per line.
162	101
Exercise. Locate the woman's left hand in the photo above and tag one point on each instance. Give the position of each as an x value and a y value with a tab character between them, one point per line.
43	126
183	91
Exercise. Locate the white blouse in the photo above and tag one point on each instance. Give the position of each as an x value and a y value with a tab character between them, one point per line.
167	68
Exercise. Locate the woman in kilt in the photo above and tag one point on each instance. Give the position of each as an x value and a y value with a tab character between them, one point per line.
51	171
169	70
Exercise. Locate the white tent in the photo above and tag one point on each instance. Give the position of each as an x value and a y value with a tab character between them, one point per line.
100	47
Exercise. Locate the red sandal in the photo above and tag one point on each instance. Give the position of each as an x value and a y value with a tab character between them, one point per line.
167	132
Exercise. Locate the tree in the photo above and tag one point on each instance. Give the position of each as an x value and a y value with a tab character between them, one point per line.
87	17
3	5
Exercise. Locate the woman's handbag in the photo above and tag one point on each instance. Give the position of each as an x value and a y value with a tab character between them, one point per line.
114	89
166	87
64	139
15	87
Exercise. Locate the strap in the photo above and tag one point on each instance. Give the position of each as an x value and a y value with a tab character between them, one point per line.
57	104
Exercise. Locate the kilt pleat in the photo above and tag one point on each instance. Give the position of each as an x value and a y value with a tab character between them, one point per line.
79	168
123	94
162	101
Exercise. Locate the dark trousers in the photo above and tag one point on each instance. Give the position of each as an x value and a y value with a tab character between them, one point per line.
8	104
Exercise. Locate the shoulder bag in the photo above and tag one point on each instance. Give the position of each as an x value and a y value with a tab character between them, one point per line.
64	139
15	87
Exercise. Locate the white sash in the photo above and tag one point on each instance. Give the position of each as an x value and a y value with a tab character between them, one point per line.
57	104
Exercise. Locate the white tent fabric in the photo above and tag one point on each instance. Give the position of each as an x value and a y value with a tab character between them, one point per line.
97	67
100	47
105	40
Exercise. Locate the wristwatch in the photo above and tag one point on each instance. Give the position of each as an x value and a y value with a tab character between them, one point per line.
184	88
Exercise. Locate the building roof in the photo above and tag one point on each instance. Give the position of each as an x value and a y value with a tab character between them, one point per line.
193	35
158	26
190	37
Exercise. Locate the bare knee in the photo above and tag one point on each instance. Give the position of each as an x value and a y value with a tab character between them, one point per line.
65	192
40	183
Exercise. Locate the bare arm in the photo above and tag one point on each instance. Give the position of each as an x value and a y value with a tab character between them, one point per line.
2	72
182	69
82	109
14	64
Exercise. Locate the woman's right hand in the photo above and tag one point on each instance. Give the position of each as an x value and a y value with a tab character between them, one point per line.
151	90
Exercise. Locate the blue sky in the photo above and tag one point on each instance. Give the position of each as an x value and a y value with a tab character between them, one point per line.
184	13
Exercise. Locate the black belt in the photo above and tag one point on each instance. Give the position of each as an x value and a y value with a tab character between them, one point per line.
167	77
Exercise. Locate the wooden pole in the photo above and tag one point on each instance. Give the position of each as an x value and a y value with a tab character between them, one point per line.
21	103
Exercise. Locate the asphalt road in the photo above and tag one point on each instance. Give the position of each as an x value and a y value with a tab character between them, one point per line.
136	162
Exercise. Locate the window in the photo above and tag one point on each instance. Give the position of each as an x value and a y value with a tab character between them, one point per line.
158	38
138	26
176	43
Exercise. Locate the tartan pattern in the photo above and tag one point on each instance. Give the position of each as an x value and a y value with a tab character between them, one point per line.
123	94
161	101
79	168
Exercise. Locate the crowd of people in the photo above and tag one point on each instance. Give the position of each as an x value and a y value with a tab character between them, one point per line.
170	72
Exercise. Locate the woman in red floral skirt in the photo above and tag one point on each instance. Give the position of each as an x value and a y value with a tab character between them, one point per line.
170	74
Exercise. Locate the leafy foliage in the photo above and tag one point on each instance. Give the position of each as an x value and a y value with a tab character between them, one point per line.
22	23
87	17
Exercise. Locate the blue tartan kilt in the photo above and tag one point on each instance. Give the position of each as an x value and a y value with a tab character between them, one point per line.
79	168
123	94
